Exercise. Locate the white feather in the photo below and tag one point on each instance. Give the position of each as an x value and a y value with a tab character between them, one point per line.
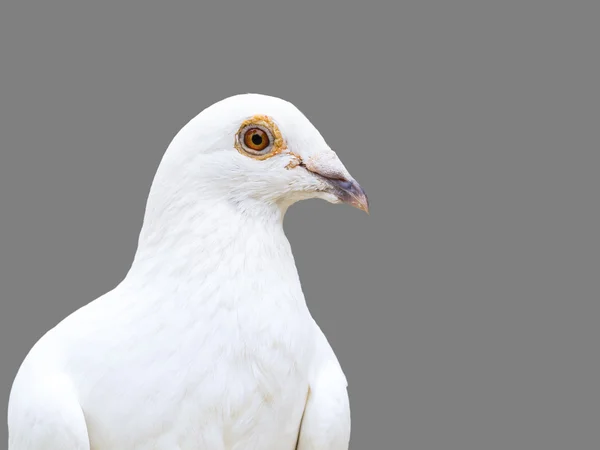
207	343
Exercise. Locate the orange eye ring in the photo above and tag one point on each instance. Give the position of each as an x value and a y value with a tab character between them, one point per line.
259	138
256	139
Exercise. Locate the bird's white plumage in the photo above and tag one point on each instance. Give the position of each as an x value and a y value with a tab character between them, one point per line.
207	343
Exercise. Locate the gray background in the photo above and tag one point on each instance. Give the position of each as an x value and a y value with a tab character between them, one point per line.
464	309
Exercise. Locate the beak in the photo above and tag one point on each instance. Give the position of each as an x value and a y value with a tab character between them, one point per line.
346	189
350	193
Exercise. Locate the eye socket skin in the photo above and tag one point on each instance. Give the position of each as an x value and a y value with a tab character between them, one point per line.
259	138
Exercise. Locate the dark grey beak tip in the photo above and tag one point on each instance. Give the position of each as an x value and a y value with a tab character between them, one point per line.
351	193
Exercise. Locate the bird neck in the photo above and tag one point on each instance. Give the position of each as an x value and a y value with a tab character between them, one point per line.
194	243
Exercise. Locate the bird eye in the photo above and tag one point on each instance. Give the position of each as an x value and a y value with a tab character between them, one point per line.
259	138
256	139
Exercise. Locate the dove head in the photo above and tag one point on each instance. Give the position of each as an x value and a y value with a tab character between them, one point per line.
255	153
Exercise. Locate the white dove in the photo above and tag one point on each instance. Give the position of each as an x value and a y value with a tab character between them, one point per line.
207	343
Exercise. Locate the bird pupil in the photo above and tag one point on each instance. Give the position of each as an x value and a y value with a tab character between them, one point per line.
256	139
